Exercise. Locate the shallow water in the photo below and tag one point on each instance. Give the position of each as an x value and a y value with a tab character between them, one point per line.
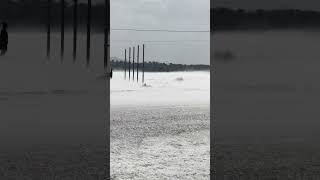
52	114
266	104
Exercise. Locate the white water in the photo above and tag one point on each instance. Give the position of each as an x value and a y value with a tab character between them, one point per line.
165	88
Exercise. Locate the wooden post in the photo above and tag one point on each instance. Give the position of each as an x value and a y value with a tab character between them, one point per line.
138	65
75	29
133	64
143	63
129	60
108	69
62	29
106	33
48	28
125	63
88	32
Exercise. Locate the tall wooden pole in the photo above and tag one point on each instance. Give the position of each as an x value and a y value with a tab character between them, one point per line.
143	63
106	33
107	66
125	63
133	64
62	29
88	32
75	29
129	61
48	28
138	65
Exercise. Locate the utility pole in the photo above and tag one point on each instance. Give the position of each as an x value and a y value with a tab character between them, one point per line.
125	63
107	69
143	63
129	61
138	65
133	64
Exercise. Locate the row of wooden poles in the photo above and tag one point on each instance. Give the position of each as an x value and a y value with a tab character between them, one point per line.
107	65
75	28
133	63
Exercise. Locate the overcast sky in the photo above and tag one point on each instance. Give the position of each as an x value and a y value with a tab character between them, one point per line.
163	14
269	4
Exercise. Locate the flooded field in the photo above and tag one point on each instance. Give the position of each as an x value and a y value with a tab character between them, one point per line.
266	105
52	113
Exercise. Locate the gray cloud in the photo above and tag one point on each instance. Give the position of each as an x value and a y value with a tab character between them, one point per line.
163	14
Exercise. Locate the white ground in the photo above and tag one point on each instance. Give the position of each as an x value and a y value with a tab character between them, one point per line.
160	131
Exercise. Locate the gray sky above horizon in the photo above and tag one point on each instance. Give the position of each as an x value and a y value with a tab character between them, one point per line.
181	47
269	4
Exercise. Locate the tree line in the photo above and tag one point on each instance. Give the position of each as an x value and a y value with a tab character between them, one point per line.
152	66
223	19
33	14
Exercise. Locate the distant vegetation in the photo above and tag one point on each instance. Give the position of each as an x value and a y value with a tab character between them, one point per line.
225	19
160	67
33	14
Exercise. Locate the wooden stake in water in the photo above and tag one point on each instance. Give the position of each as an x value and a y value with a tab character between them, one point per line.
133	64
129	61
75	29
138	65
143	63
88	32
62	29
125	63
48	28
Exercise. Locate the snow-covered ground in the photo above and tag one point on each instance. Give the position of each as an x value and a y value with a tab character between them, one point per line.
160	130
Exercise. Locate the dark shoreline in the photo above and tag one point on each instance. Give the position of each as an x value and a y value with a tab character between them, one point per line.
227	19
161	67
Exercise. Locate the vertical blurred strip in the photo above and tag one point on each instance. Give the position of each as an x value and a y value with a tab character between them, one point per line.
75	28
62	29
48	27
88	32
138	65
143	63
212	110
125	63
107	70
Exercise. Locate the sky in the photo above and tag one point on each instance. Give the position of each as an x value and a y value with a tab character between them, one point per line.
269	4
174	47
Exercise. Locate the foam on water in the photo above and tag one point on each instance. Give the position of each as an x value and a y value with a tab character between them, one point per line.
161	88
